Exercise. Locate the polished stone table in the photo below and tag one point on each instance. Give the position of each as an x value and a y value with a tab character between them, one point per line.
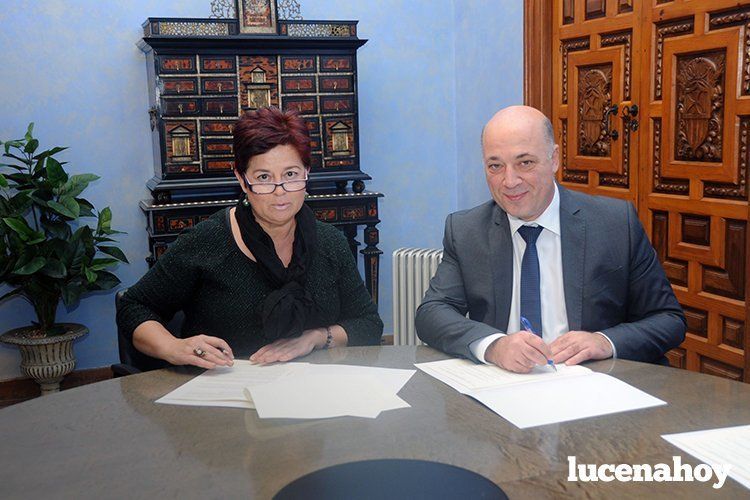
109	439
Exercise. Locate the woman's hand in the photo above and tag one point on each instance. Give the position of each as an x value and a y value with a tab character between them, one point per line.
289	349
201	350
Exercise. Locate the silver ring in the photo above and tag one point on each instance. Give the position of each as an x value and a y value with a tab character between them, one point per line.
199	352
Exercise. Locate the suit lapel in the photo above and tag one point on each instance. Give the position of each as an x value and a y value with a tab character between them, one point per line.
501	258
573	245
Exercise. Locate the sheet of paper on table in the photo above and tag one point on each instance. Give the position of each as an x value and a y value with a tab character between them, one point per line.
366	388
543	396
324	395
718	447
224	386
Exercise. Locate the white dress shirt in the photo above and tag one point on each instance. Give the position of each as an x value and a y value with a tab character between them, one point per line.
552	290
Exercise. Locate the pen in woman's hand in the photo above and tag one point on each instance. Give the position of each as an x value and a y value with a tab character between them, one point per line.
527	326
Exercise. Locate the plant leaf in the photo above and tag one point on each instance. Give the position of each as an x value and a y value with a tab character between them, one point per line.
55	173
115	252
17	167
71	205
29	131
87	209
31	146
76	184
37	237
54	269
90	275
59	230
20	227
61	209
71	294
3	181
25	161
100	264
49	152
106	281
86	178
33	266
104	224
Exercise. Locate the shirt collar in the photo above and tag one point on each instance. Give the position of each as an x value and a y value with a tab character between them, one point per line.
550	218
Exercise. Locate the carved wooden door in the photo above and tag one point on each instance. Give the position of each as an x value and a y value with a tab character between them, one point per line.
651	103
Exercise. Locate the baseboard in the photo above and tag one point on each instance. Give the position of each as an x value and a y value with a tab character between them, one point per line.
21	389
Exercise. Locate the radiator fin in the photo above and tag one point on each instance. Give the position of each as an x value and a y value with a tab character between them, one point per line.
412	270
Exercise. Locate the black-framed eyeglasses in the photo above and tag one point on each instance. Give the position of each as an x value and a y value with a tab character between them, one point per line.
270	187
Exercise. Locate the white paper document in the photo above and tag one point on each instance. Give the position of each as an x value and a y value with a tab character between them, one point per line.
224	386
296	390
543	396
324	396
718	447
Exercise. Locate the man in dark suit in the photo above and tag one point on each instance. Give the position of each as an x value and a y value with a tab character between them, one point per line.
544	272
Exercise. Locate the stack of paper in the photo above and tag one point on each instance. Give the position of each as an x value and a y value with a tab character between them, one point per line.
543	396
296	390
719	447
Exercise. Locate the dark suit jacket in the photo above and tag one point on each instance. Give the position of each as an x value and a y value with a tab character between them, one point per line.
612	278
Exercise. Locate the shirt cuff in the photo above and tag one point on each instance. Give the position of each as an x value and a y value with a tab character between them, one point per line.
614	351
479	346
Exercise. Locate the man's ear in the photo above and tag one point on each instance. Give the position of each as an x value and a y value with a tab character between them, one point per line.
555	158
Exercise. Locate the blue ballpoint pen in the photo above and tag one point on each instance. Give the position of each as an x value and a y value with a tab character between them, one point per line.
527	326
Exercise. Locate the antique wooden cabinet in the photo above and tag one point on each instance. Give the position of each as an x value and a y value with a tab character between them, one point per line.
203	75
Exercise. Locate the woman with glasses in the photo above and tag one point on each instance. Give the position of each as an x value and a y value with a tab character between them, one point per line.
262	278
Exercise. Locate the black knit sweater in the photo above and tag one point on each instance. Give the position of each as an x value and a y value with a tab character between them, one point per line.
220	290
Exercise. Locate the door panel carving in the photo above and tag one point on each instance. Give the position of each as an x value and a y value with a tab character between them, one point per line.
682	160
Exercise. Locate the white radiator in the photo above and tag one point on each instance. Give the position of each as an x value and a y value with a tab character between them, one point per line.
412	270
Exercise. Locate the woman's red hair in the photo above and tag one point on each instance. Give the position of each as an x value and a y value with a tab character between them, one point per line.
257	132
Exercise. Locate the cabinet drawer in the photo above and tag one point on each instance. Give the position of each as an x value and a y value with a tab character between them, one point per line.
336	104
217	165
177	224
219	107
336	84
313	126
297	64
176	64
336	63
177	86
298	84
188	168
218	64
180	107
303	105
217	127
218	147
219	86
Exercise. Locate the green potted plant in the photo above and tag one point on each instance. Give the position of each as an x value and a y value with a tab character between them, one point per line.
49	253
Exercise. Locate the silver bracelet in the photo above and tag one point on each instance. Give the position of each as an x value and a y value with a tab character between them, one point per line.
329	338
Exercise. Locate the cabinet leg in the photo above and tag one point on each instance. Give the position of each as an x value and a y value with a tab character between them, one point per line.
351	236
371	255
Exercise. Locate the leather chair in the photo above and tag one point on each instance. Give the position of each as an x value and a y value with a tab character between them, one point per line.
131	359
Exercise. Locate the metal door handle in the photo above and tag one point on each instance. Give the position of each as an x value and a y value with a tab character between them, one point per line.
611	133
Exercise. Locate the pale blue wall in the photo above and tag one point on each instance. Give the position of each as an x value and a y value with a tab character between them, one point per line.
489	76
430	76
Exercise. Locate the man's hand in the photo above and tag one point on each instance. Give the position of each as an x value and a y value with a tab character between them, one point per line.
576	347
518	352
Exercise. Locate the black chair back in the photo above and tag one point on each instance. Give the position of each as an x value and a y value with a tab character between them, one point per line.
131	359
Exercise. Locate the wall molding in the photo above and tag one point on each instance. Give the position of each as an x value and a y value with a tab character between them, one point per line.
20	389
537	56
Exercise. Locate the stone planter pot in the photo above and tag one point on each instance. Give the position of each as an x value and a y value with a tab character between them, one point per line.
46	359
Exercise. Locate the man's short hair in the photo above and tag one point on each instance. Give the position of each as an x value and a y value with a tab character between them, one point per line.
549	136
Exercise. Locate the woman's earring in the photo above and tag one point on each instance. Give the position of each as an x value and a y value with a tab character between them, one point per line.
246	202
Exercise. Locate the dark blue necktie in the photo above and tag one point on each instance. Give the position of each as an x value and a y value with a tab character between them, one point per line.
531	302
